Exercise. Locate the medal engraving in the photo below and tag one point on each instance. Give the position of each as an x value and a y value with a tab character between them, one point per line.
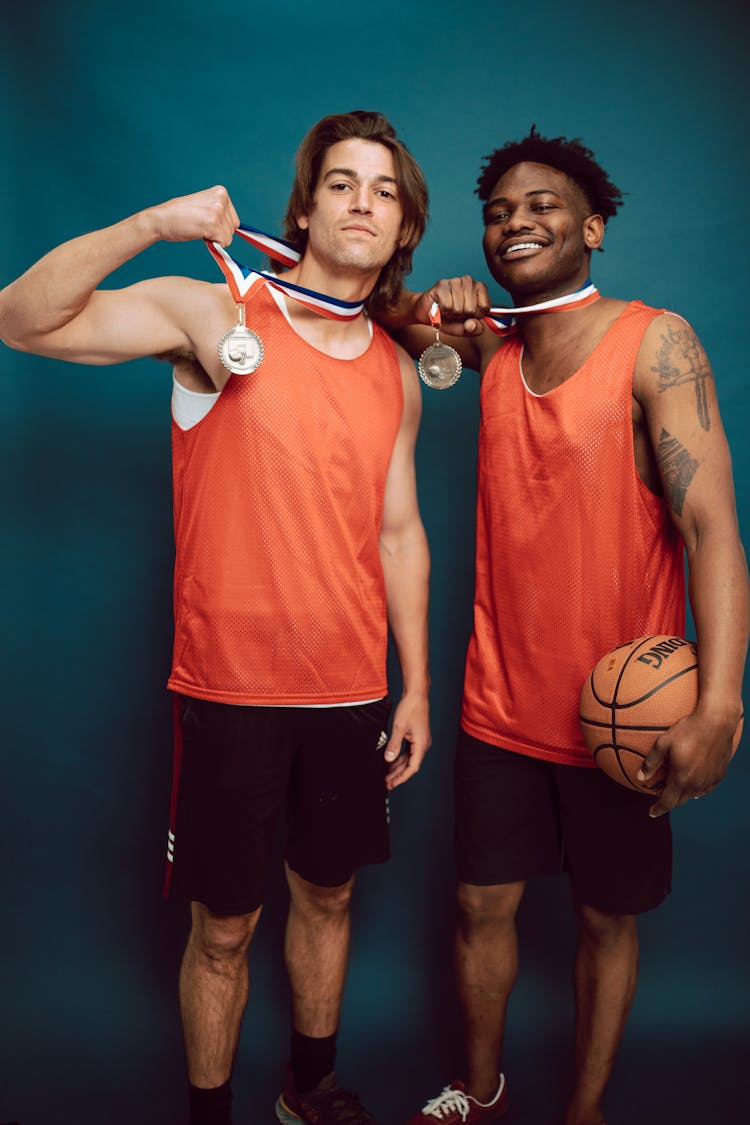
240	349
439	366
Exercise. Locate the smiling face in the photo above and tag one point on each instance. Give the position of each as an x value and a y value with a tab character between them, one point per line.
539	232
355	221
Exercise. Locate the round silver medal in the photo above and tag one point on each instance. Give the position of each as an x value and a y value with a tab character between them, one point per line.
241	350
439	366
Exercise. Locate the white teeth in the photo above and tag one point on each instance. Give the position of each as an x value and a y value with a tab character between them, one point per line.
523	246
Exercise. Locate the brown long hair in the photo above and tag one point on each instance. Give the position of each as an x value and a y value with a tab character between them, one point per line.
367	126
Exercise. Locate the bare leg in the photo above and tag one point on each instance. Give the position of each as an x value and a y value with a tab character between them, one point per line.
317	950
606	970
486	970
213	992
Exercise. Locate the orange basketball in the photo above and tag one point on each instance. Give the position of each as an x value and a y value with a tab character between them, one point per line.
633	694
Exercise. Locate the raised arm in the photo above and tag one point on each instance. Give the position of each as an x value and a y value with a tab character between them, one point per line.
56	308
675	387
406	568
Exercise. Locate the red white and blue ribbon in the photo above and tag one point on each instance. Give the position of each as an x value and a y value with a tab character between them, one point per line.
240	278
503	321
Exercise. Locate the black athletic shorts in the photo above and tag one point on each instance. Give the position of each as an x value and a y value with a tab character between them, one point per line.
517	817
238	770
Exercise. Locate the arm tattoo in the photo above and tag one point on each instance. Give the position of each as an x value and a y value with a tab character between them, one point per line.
677	470
680	360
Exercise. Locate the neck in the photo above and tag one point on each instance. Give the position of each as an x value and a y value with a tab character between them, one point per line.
341	339
525	297
344	284
556	329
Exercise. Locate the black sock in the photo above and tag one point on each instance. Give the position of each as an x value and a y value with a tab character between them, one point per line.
211	1107
311	1059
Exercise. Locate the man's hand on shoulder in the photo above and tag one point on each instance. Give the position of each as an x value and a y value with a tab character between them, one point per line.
410	738
462	303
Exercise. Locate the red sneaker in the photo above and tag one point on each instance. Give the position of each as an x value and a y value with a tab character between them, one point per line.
454	1105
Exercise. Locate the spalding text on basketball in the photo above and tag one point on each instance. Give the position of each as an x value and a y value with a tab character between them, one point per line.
656	656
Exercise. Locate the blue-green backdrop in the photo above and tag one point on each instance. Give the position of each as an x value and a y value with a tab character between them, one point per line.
106	108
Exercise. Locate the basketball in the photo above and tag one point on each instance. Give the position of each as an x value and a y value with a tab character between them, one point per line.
632	695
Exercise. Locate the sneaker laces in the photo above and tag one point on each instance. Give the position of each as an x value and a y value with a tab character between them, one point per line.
446	1102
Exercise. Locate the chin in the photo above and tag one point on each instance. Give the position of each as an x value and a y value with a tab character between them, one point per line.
525	286
363	263
527	282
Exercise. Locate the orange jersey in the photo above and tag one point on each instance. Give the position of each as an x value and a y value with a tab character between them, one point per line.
278	501
574	554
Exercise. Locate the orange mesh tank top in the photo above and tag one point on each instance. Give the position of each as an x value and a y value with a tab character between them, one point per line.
278	498
574	554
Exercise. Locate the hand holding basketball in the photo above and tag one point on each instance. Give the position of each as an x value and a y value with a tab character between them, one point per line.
692	758
641	720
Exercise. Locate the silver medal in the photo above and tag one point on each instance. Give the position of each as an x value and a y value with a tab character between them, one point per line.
240	349
439	365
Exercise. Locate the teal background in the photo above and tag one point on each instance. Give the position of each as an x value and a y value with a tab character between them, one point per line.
107	108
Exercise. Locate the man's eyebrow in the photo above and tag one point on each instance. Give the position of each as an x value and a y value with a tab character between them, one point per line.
536	191
354	176
501	200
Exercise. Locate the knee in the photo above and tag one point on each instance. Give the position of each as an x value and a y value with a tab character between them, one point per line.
606	930
324	904
487	907
221	939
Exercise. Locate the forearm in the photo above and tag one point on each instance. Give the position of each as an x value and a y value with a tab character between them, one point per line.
405	323
720	601
697	749
406	570
462	302
58	287
402	314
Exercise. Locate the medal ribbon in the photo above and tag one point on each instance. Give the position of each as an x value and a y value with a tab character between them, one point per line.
240	278
503	321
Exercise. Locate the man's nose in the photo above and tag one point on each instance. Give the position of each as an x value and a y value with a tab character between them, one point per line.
518	220
360	201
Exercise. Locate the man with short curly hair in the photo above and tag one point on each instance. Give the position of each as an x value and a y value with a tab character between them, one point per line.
602	459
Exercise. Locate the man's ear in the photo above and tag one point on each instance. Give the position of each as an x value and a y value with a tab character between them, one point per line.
593	232
303	222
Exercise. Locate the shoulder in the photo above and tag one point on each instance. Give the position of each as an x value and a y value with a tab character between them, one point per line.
486	346
669	345
666	324
670	357
406	366
410	384
181	286
402	358
208	292
185	294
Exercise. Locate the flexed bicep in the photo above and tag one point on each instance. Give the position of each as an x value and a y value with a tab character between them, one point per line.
57	308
